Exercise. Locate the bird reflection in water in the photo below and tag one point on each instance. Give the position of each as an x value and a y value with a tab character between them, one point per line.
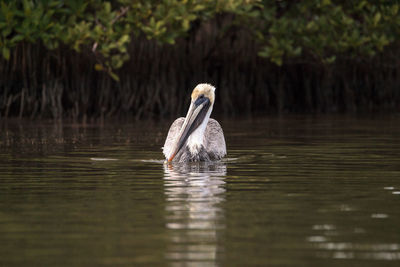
194	193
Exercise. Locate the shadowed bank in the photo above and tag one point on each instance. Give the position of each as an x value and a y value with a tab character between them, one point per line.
260	62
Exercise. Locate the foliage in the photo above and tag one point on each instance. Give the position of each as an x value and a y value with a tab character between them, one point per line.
62	83
103	26
323	29
326	29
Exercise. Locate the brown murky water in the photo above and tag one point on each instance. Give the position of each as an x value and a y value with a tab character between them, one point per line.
300	191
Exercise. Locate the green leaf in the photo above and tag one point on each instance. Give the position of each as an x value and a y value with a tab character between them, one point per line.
377	18
326	2
98	67
17	38
297	51
107	7
6	52
185	24
277	60
114	76
395	9
330	60
124	39
362	4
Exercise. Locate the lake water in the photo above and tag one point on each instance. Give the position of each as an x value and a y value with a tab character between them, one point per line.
300	191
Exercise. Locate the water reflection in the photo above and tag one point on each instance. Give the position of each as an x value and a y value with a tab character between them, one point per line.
194	217
351	250
359	251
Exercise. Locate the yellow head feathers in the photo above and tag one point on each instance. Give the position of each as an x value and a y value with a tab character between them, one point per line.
204	89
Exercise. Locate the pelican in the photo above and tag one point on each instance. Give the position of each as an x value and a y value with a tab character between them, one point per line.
196	137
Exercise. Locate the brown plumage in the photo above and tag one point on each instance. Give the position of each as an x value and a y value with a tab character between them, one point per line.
196	137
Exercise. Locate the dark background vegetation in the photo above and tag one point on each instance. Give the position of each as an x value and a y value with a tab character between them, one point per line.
90	60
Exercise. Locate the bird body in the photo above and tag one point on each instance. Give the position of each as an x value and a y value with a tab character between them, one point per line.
196	137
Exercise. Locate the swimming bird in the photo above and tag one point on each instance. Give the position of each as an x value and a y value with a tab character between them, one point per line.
196	137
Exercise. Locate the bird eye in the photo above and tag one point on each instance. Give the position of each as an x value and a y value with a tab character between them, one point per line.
200	99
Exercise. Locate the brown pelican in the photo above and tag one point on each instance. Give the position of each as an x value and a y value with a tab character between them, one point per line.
196	137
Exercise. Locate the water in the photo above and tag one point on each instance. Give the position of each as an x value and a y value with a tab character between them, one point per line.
300	191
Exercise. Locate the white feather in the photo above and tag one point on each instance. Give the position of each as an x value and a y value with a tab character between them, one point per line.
196	139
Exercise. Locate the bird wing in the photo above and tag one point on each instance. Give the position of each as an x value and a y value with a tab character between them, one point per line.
172	133
214	139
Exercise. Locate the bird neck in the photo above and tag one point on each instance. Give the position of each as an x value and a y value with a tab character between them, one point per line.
196	139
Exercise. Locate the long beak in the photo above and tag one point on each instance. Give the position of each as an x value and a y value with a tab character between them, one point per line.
195	116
